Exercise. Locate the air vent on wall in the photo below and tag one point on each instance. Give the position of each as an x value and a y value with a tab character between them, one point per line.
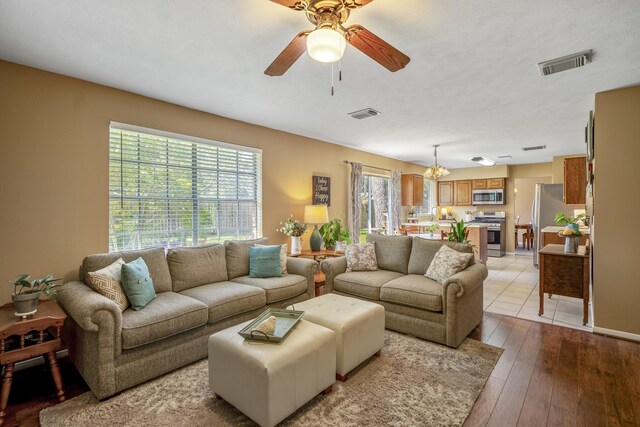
363	114
565	63
534	147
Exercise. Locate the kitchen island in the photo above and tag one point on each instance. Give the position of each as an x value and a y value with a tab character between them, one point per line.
478	235
550	235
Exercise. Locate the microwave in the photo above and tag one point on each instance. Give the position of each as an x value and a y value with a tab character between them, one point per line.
487	197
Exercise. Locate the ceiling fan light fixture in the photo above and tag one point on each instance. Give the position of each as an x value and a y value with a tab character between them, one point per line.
326	45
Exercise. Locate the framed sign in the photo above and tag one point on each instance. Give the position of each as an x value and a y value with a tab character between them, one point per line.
321	190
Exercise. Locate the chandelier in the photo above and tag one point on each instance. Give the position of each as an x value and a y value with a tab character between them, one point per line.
436	171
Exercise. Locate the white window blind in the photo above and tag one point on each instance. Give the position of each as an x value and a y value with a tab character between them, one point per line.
173	190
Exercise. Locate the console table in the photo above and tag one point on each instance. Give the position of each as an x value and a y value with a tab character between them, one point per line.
319	276
26	338
564	274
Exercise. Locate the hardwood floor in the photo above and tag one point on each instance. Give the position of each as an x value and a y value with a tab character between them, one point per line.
547	376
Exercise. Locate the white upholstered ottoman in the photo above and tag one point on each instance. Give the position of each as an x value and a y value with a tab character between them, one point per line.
268	381
359	327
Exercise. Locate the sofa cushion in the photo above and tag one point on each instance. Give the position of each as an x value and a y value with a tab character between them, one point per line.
237	254
364	284
277	288
413	290
392	252
423	251
226	299
197	265
168	314
154	258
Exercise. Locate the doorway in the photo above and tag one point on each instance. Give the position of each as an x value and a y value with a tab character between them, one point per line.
524	191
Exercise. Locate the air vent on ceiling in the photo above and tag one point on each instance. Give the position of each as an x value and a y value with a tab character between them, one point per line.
508	156
363	114
565	63
534	147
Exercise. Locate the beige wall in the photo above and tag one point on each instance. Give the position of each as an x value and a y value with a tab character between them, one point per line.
616	298
54	166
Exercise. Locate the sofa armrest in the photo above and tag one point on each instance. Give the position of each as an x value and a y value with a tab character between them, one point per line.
83	304
331	267
467	280
304	267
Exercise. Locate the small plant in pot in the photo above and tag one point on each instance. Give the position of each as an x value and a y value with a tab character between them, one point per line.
335	235
569	221
26	293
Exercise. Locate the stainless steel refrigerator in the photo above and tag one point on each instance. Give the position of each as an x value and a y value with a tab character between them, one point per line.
547	202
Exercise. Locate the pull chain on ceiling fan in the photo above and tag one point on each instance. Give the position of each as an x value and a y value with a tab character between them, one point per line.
326	43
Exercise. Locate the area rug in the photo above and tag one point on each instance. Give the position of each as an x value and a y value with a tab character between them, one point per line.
413	382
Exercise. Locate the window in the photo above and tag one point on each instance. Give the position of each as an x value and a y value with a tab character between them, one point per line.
173	190
428	198
374	211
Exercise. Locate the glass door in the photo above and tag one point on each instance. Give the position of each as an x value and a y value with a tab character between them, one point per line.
374	208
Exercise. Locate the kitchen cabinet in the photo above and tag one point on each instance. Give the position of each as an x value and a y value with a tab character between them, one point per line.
463	192
445	193
412	189
491	183
575	180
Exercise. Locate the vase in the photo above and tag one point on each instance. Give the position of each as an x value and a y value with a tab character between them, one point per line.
574	227
571	244
468	218
25	304
296	246
341	247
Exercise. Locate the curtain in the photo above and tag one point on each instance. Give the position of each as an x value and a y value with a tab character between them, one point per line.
355	186
395	209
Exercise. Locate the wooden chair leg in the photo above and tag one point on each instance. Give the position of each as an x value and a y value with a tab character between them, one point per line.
55	372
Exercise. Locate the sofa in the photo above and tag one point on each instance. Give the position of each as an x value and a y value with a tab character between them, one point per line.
414	304
200	290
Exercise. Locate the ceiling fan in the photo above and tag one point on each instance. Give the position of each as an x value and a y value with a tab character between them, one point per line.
327	42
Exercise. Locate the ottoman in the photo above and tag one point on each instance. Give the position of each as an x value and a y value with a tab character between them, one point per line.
268	381
359	327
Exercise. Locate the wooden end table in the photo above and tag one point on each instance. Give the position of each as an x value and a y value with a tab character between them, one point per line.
26	338
564	274
319	277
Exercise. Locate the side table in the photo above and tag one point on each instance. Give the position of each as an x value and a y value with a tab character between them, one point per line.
26	338
319	277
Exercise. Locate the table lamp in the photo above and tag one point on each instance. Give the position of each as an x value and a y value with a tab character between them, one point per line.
316	214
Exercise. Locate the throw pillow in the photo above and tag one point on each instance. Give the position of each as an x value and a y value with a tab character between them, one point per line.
361	257
283	257
137	284
106	282
264	261
446	263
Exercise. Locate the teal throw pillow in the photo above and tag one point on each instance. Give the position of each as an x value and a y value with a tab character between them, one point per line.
137	284
264	261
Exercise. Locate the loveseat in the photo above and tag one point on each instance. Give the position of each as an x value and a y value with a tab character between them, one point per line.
414	304
200	290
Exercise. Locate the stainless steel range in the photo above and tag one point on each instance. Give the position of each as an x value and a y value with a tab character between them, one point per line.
496	231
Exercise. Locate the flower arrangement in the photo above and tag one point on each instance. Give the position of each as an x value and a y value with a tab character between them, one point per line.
293	227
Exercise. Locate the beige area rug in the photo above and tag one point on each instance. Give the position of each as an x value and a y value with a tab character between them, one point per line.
413	382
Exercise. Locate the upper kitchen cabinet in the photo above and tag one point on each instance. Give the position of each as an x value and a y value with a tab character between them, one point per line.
575	180
412	189
492	183
445	193
463	192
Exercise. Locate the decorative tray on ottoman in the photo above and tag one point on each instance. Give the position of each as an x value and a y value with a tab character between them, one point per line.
286	320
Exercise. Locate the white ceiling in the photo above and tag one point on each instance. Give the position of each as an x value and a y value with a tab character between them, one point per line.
472	85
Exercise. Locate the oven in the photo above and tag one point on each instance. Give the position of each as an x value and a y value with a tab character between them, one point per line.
496	231
487	197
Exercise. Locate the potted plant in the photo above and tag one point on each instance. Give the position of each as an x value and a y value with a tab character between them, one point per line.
569	221
458	232
433	228
294	228
335	235
572	231
26	293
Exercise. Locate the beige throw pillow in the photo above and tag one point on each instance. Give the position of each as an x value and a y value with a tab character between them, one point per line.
446	263
361	257
283	257
106	282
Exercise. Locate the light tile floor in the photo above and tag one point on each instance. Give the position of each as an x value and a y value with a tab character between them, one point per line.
512	289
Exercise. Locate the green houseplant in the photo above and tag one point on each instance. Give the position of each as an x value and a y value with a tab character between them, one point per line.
569	221
458	232
26	293
334	231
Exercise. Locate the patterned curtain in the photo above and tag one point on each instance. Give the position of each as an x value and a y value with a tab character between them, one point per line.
355	186
395	208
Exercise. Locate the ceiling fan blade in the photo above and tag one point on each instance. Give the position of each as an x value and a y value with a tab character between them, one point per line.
354	4
291	4
376	48
289	55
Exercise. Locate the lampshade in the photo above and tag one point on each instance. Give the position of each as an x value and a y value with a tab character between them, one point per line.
326	45
316	214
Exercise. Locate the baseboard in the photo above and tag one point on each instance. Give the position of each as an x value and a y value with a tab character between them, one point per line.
25	364
617	334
